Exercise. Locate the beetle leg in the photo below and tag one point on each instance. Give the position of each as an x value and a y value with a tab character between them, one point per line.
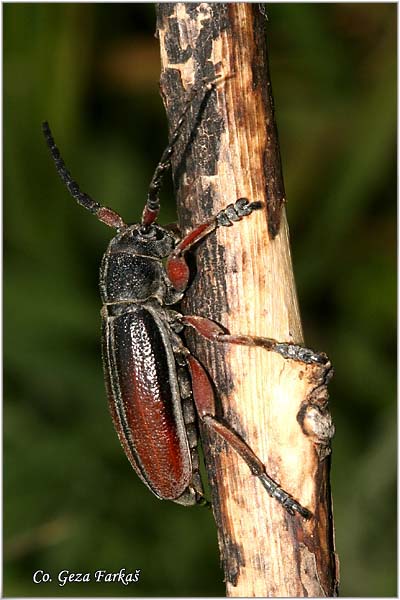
152	206
214	332
194	494
203	396
176	267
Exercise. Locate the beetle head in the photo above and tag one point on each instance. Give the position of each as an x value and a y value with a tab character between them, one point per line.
153	241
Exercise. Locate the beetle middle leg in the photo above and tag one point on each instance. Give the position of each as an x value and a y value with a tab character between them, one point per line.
212	331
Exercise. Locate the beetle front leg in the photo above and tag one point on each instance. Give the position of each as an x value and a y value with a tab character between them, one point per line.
203	397
176	267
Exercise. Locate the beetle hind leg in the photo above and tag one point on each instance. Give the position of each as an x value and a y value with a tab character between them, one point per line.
203	396
194	494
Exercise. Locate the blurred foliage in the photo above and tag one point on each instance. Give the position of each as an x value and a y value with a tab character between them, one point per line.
70	498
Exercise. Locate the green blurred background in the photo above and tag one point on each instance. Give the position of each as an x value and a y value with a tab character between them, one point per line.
71	500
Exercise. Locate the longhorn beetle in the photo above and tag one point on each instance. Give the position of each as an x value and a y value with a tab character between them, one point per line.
154	384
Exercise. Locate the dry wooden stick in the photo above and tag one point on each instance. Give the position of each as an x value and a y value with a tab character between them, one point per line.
245	282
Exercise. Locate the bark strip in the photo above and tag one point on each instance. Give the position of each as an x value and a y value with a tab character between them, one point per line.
244	281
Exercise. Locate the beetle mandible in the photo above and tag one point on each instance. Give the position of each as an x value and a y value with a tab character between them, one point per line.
155	386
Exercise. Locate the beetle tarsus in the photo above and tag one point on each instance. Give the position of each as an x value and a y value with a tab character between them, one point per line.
289	504
235	212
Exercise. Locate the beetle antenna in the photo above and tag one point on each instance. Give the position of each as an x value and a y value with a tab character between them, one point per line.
104	214
152	207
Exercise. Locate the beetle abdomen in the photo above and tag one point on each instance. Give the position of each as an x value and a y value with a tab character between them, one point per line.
144	400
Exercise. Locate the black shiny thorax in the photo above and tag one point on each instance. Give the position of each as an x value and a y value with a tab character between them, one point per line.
132	267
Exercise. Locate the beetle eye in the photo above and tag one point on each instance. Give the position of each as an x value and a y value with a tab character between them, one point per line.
144	233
